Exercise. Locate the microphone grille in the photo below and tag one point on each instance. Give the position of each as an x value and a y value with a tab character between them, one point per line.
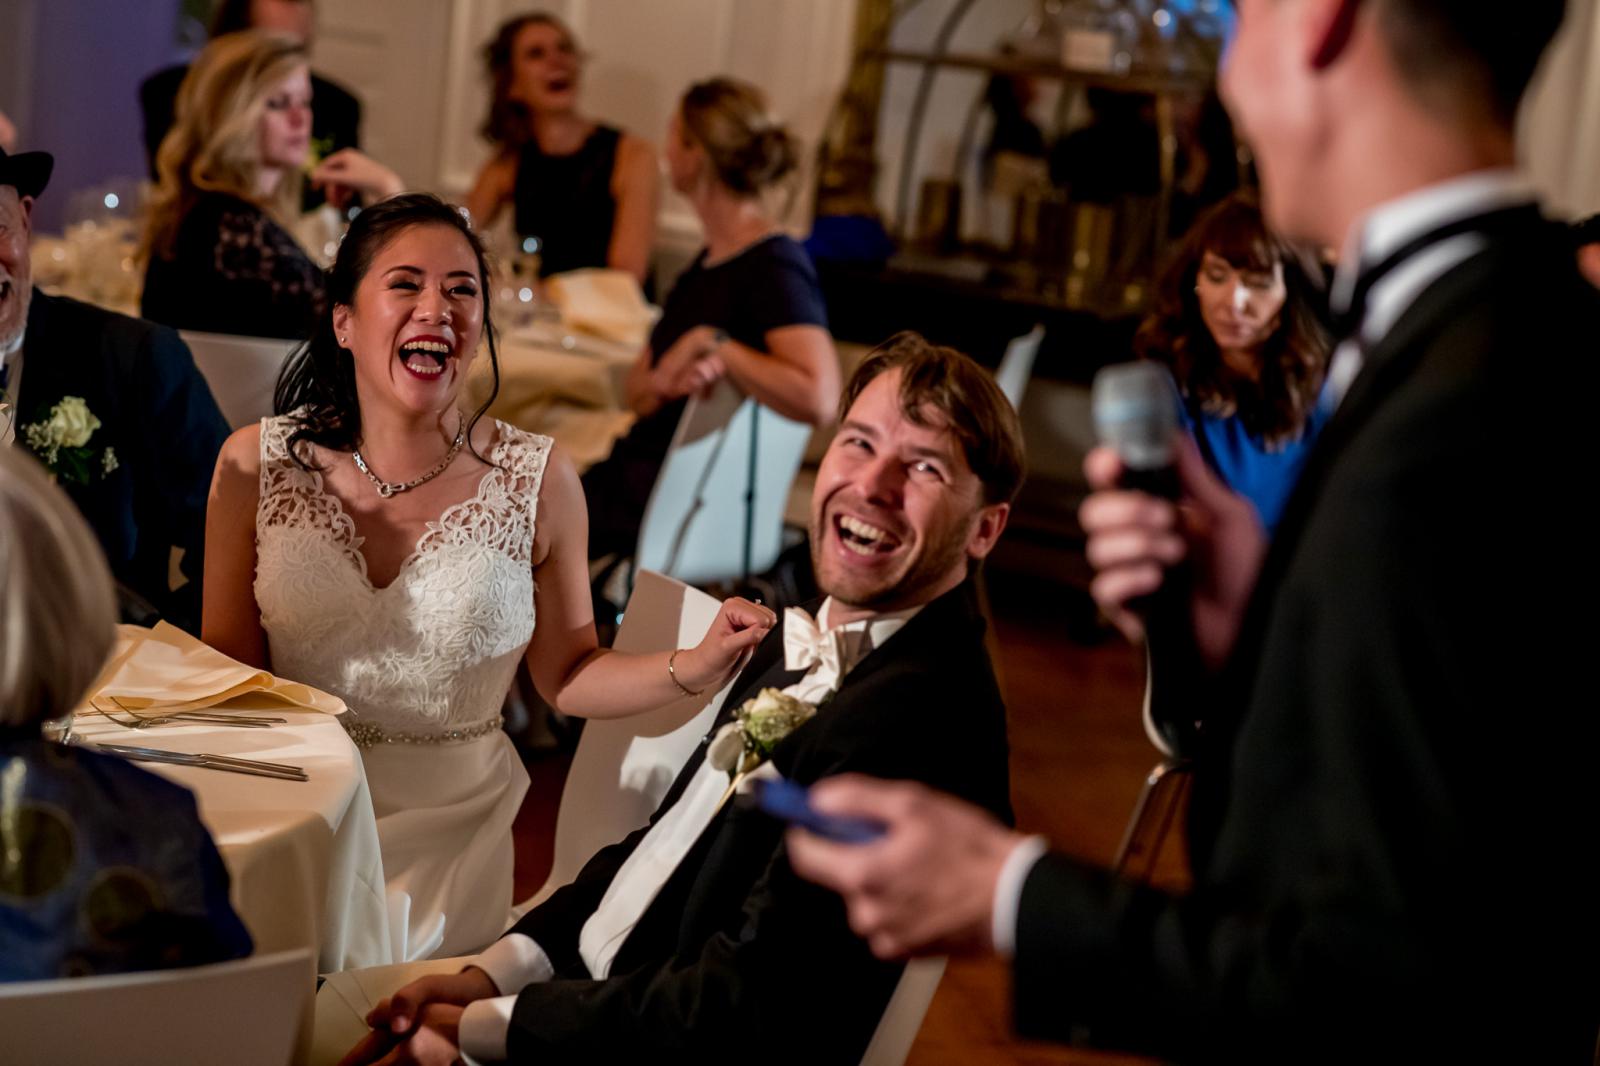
1136	413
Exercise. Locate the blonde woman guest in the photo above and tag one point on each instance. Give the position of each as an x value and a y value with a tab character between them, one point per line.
220	257
588	191
748	308
106	867
379	542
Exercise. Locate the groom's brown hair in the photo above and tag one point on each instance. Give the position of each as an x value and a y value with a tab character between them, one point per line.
965	395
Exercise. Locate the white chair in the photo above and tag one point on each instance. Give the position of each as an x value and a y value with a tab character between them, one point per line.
245	1013
1016	366
897	1029
242	372
699	526
623	768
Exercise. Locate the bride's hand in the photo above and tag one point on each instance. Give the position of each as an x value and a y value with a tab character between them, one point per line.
349	171
739	626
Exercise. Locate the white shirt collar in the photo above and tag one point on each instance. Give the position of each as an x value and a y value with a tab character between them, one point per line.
878	628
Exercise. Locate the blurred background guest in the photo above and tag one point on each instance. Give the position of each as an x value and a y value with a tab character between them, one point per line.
8	133
1586	235
336	119
106	868
748	307
115	407
220	257
587	191
1234	321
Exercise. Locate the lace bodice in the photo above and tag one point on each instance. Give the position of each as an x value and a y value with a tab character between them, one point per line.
435	650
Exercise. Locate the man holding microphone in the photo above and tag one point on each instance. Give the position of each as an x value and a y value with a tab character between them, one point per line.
1391	812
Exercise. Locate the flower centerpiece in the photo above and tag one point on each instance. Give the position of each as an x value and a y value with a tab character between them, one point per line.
61	443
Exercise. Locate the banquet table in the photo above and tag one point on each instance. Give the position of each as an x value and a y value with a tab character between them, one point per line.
302	856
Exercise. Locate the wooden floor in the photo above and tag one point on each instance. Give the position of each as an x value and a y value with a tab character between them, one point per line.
1078	758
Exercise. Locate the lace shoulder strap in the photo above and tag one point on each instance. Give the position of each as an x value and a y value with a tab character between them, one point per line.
290	495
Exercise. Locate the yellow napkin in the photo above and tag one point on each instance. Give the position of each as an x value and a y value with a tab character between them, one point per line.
607	303
165	670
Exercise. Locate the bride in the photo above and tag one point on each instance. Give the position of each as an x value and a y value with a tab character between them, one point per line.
379	543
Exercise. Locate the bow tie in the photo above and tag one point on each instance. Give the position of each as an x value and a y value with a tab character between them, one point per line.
805	645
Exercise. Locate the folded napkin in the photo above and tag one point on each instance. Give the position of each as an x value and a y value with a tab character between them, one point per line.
164	670
607	303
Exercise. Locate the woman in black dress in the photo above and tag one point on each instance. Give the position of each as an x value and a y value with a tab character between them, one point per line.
748	308
588	192
220	258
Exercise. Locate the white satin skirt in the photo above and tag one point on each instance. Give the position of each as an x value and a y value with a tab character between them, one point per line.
444	827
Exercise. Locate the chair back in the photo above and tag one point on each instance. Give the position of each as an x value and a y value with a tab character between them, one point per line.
242	372
897	1029
623	767
246	1013
1016	366
698	525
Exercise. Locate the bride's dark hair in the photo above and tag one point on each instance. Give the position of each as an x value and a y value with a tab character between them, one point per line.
318	383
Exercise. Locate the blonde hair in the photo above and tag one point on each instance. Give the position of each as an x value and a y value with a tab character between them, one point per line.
57	611
748	148
215	143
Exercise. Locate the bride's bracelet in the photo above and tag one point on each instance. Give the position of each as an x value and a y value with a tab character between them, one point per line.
673	673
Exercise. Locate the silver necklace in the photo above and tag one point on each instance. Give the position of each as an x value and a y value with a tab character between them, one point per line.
389	488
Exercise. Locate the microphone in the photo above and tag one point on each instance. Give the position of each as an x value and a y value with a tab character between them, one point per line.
1135	408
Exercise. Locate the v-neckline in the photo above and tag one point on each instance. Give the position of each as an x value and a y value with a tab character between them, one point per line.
353	540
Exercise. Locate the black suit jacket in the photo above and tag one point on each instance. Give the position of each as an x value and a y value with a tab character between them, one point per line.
738	959
1393	809
157	414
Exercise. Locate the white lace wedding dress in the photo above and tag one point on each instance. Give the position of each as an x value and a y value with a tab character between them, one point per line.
424	664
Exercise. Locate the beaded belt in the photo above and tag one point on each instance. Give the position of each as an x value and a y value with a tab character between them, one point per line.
367	735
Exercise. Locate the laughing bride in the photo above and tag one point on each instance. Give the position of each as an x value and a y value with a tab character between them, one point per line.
379	543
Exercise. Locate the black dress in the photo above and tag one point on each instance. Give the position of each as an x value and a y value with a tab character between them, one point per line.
234	270
566	201
767	286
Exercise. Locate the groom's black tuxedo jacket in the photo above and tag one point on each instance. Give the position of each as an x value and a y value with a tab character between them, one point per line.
158	415
738	959
1394	813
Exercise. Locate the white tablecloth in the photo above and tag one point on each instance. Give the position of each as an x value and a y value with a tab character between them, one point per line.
303	856
567	385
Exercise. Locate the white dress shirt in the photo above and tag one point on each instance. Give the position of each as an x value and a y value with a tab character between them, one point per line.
1382	231
12	361
515	961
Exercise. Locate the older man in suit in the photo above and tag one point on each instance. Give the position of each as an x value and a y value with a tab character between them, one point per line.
692	940
142	430
1392	802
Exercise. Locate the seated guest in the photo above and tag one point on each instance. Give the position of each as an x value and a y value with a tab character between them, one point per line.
115	407
8	133
220	256
1234	322
105	868
587	191
692	939
336	119
749	307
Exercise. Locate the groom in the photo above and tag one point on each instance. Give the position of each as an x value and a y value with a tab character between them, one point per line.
692	939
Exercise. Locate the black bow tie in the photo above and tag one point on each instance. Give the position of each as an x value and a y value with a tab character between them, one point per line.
1490	224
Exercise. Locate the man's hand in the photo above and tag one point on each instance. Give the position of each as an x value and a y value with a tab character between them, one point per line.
436	1041
1134	538
397	1013
927	886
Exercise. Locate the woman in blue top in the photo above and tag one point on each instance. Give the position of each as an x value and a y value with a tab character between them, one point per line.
749	308
1234	321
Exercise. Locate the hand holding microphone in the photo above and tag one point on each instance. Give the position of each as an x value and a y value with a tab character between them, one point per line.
1175	552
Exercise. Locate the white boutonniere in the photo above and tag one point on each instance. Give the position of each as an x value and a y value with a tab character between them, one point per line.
61	442
757	727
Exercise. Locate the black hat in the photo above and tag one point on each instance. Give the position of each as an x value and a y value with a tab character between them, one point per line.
28	171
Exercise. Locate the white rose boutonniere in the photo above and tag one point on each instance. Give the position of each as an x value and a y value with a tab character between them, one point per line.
757	728
61	441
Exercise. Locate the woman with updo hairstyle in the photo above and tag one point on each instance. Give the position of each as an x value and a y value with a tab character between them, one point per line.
748	308
220	257
587	191
104	868
1235	322
382	543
